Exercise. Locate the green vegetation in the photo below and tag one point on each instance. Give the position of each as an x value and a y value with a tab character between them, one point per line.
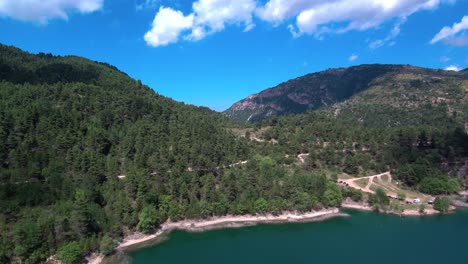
442	204
107	245
430	179
148	219
70	253
339	145
87	153
422	208
332	196
377	118
352	193
362	182
401	196
379	199
373	95
69	127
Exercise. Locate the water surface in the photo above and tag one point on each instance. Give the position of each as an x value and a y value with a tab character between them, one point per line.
362	238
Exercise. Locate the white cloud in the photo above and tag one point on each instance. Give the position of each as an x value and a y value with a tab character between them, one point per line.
207	17
453	68
276	11
303	17
42	11
215	14
450	35
312	15
167	26
353	57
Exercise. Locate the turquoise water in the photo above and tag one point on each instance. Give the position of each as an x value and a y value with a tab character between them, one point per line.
361	238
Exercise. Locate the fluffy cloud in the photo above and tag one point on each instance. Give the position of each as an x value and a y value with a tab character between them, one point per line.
167	26
312	17
208	17
453	68
353	57
454	35
276	11
42	11
214	14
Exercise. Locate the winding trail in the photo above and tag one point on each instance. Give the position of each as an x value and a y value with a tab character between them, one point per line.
369	184
352	182
391	190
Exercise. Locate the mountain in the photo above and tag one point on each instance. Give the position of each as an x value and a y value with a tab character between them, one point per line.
327	88
89	155
84	149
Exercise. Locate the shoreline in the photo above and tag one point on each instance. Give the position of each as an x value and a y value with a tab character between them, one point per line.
228	222
139	240
407	212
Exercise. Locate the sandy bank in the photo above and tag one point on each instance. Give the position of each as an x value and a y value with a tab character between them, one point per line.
365	207
356	206
229	222
427	211
94	259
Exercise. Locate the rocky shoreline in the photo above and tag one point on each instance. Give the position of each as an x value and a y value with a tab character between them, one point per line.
229	222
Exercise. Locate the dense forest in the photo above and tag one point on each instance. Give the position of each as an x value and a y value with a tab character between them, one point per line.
89	155
426	151
69	127
370	119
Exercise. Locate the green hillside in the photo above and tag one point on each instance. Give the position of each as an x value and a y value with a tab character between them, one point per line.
88	155
409	120
68	128
405	87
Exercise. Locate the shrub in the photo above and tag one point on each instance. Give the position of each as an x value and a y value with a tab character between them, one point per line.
107	245
148	219
70	253
441	204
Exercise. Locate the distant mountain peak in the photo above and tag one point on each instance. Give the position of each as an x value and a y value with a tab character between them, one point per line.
321	89
307	92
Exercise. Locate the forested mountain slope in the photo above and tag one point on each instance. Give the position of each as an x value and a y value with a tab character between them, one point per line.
89	155
68	128
410	121
399	87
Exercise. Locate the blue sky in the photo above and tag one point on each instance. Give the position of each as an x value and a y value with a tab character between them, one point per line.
215	52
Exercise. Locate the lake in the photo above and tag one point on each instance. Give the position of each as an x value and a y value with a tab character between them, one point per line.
362	238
